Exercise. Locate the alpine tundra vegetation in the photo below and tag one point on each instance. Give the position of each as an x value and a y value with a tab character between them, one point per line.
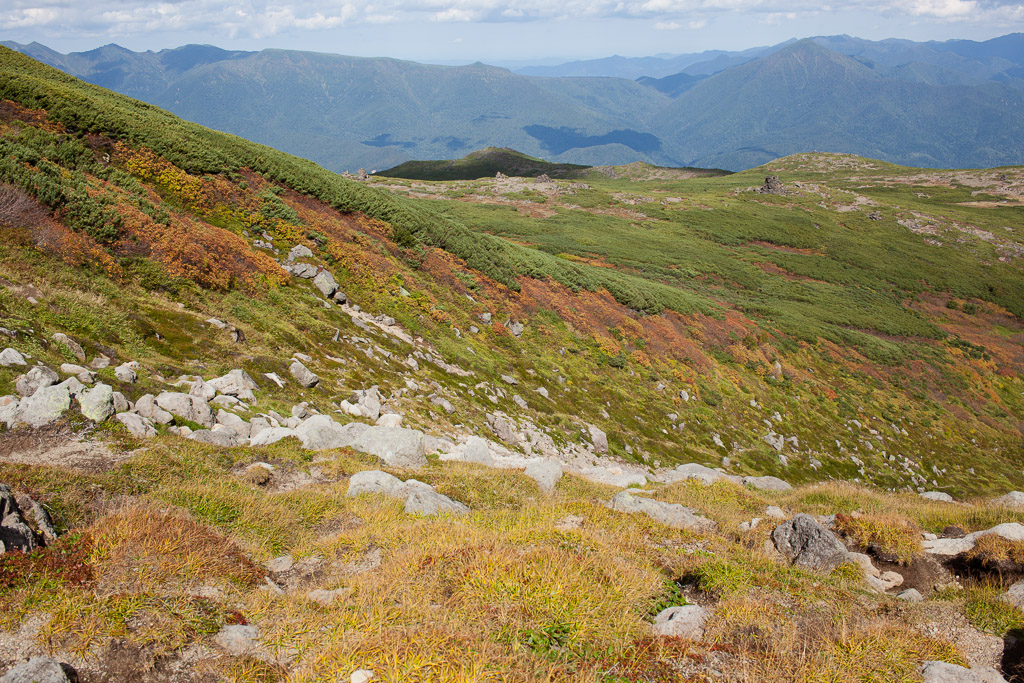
262	422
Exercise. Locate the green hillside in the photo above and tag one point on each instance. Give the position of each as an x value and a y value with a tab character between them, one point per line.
291	426
482	164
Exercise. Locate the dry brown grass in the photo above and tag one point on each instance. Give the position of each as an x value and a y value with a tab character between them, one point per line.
887	536
145	548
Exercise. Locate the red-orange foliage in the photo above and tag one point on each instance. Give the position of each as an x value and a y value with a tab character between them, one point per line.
20	211
188	248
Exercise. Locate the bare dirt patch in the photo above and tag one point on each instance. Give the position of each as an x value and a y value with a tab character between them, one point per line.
59	445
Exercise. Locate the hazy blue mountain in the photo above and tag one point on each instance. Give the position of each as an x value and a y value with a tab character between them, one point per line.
347	112
948	104
707	62
806	98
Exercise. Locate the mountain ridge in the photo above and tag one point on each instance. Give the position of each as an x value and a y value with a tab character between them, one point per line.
347	112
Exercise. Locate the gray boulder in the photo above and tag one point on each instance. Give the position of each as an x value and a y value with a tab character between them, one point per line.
9	411
147	408
767	483
236	383
10	357
600	440
186	407
943	672
15	534
83	374
202	390
120	402
36	378
324	281
234	423
97	404
669	514
303	375
1013	499
44	406
270	435
686	621
225	438
73	385
389	420
696	471
910	595
1011	531
420	498
546	473
476	450
71	345
136	425
427	502
807	544
937	495
502	428
396	446
299	251
237	639
40	670
375	481
303	270
126	373
320	433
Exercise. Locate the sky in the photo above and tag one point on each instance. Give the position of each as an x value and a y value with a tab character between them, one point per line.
504	32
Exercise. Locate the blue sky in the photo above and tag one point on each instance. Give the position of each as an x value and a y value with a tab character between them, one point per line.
494	31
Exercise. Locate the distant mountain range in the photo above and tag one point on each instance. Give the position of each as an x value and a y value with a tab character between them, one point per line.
951	104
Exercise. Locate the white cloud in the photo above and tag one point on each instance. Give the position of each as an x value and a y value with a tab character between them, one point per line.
944	8
30	16
262	18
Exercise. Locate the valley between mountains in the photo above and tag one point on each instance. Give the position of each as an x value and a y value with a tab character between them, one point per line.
496	418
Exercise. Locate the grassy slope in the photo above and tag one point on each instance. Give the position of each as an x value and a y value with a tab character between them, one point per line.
845	303
506	593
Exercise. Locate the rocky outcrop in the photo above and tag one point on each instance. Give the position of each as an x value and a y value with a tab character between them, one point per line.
11	357
303	375
669	514
320	432
136	425
420	498
44	406
40	670
97	404
772	185
396	446
236	383
38	377
807	544
1011	531
187	407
